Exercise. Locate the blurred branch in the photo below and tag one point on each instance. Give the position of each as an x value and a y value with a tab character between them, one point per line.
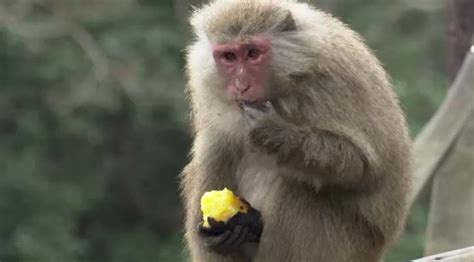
89	45
56	28
37	30
438	136
452	195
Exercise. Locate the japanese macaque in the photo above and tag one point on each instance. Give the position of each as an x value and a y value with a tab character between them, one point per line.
293	113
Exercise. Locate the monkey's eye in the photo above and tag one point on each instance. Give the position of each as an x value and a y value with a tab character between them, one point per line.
253	54
229	56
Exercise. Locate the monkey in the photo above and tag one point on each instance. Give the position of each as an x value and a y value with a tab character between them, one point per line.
292	111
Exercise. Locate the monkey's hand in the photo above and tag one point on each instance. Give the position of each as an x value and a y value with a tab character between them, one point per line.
270	133
226	238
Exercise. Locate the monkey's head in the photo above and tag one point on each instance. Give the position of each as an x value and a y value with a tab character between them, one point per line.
241	49
244	66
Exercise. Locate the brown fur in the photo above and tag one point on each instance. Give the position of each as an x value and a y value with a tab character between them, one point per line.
332	174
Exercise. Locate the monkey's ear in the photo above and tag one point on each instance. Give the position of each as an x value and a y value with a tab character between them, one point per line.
288	23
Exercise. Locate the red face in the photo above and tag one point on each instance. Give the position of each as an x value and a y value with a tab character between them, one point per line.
244	64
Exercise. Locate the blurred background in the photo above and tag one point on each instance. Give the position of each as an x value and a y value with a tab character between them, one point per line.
93	129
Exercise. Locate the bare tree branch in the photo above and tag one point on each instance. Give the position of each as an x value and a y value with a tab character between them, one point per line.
433	143
87	42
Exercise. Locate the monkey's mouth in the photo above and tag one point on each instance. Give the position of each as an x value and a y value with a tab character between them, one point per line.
261	105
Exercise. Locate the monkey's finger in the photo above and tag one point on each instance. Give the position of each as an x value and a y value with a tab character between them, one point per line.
245	201
253	113
213	241
215	228
252	237
268	107
202	230
214	223
234	236
261	106
242	238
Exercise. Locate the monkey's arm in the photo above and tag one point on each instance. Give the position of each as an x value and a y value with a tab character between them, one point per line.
330	155
215	170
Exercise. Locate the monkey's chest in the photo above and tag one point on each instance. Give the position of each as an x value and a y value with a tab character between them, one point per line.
256	178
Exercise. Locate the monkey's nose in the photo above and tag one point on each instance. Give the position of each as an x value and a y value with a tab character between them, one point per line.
242	86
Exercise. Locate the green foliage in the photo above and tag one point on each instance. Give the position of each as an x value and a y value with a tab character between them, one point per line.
89	161
92	122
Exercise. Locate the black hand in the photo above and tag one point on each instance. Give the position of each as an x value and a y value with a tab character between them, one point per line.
223	242
251	220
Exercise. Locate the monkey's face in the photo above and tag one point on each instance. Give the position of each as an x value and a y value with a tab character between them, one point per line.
244	66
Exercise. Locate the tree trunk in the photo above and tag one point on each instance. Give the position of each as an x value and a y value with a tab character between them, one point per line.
445	149
436	139
460	16
451	217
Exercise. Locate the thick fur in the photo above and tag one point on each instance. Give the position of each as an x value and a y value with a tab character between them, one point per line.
330	170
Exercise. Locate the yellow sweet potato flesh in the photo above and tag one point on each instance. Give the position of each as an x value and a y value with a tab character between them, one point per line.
221	205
